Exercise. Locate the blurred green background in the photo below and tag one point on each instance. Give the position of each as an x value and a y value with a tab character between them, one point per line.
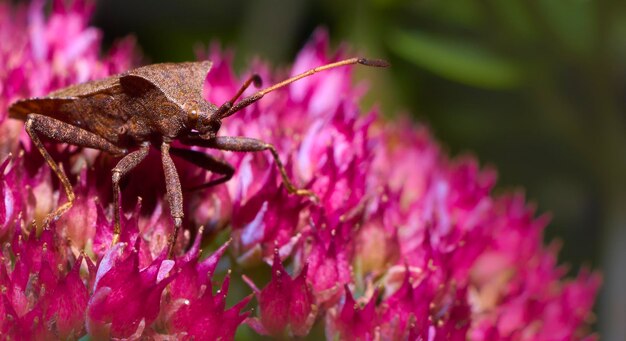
534	87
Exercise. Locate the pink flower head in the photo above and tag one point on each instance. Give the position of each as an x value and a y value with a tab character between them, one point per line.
125	299
285	303
328	252
10	204
206	317
517	286
408	310
352	321
65	303
191	310
81	222
42	297
402	242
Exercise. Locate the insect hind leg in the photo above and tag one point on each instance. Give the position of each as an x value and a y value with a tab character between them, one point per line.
207	162
63	132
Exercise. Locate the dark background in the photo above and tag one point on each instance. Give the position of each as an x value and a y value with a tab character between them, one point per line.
534	87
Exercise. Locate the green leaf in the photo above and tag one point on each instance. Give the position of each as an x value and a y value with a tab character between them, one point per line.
458	13
457	60
573	22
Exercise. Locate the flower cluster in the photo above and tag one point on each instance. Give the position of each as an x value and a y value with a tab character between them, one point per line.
403	243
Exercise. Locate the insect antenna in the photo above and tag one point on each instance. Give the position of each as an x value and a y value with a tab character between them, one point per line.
256	79
257	96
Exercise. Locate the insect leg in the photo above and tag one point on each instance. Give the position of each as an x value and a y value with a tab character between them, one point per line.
125	165
63	132
174	194
207	162
247	144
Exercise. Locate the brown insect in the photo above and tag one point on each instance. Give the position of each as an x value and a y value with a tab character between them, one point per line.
152	105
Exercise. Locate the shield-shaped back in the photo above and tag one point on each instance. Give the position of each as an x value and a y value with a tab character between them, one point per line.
180	82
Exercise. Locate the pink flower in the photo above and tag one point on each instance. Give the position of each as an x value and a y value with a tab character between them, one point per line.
517	286
206	318
42	296
353	321
404	243
408	310
284	302
125	299
190	309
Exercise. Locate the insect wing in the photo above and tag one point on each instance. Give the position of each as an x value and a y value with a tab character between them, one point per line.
181	83
51	104
48	106
109	84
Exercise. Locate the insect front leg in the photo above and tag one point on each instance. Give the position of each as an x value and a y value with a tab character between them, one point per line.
125	165
174	194
207	162
247	144
63	132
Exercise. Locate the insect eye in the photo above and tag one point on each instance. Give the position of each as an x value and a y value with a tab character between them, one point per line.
193	117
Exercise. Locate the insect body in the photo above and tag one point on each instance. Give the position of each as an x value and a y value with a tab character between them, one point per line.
149	106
